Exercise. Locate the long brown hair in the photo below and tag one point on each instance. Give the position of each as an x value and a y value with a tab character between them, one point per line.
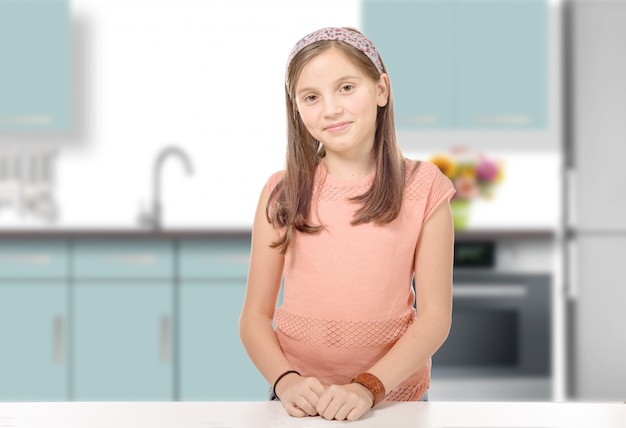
289	203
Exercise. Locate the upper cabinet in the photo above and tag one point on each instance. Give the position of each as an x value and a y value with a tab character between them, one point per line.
35	83
416	40
463	64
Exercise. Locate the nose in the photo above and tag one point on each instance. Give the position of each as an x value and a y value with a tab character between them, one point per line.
332	106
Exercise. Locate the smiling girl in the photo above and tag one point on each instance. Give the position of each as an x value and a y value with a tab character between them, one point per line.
347	227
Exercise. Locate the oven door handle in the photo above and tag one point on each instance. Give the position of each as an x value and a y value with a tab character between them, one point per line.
495	291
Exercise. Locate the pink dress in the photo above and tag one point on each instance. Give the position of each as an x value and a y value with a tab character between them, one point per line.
347	291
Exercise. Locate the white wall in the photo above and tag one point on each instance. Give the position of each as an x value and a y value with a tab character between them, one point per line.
208	76
205	75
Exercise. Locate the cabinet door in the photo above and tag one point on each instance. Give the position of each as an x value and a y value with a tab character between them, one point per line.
416	42
598	348
123	341
123	302
35	71
472	64
213	362
33	338
501	64
596	115
33	320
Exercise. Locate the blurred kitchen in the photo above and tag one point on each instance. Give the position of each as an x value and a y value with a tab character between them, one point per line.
135	137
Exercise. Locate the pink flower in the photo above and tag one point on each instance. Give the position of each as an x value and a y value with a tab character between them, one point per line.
466	188
486	170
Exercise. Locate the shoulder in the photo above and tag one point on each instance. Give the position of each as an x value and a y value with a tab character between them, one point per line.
419	173
424	178
419	168
274	179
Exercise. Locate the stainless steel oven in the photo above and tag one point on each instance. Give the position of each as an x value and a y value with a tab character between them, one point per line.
499	346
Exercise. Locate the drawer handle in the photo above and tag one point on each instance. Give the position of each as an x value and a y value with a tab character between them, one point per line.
132	259
27	119
511	119
493	291
165	339
57	327
26	259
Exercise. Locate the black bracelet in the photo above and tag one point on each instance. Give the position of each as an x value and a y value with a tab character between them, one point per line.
280	377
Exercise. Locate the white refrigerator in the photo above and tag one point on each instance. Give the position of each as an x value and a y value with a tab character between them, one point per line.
594	66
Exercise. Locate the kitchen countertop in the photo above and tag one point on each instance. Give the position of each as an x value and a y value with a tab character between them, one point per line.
138	233
60	233
272	415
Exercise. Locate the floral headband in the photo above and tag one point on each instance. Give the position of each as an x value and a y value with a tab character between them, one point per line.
351	37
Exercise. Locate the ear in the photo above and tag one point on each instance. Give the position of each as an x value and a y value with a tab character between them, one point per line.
382	90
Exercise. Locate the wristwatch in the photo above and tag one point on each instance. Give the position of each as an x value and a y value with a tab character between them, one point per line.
372	383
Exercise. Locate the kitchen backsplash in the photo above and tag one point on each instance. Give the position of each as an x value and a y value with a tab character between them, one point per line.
527	197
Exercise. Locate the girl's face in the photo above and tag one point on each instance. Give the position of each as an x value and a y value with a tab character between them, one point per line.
338	104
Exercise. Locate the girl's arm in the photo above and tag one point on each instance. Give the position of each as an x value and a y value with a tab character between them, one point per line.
255	323
433	279
434	258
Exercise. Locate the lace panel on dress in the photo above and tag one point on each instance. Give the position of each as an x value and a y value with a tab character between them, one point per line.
341	334
417	187
407	393
339	193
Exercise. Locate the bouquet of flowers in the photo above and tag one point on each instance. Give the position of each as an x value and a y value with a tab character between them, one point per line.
473	174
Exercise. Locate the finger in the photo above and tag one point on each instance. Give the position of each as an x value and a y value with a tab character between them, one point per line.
355	414
311	391
306	406
323	402
294	410
343	412
307	397
330	412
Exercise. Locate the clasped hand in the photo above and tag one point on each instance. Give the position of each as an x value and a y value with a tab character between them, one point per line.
306	396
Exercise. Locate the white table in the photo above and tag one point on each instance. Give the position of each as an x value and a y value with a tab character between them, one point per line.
271	415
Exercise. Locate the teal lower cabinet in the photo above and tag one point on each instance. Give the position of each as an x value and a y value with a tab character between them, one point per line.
213	362
125	320
123	323
33	320
33	338
123	343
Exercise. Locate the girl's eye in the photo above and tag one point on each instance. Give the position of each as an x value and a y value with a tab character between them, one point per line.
347	88
310	98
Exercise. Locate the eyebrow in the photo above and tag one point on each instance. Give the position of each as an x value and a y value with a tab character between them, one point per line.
348	77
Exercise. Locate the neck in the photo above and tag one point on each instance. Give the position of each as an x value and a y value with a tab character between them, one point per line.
348	169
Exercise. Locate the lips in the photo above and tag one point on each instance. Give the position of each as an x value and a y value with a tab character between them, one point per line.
337	127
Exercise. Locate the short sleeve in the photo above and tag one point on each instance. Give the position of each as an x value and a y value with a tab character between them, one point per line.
441	189
274	179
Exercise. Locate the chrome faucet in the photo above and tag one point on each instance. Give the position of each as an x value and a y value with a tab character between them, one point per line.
153	219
